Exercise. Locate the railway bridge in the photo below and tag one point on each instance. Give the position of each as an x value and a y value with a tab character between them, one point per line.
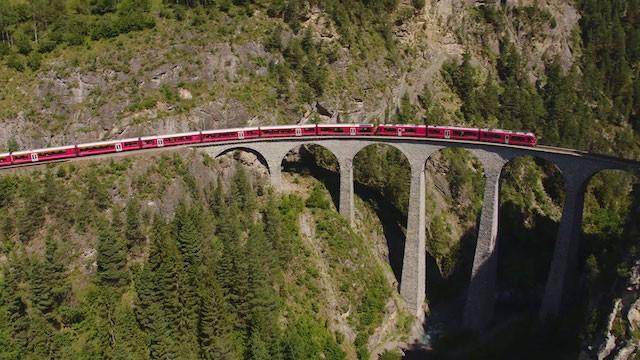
577	168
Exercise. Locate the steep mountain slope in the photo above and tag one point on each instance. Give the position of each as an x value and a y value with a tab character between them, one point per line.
75	71
149	255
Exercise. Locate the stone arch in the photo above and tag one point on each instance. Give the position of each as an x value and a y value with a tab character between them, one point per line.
455	183
392	215
317	160
219	152
531	203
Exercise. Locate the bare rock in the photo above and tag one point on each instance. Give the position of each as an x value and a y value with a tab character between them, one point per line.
185	94
322	110
610	342
633	316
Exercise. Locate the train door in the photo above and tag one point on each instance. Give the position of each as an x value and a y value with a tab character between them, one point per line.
34	157
160	142
241	135
447	134
118	147
506	139
352	131
400	131
298	132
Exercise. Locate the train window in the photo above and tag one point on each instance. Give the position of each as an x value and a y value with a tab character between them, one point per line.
517	138
461	133
410	130
95	147
49	153
366	129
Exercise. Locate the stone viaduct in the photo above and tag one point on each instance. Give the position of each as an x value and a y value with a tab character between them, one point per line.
576	168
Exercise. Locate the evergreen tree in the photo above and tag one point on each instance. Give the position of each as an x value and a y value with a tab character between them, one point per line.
111	258
97	191
31	215
215	324
41	287
17	313
258	349
216	197
133	227
241	190
261	296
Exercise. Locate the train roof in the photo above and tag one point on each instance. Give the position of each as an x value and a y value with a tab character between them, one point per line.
4	155
445	127
58	148
344	125
107	142
509	131
217	131
276	127
403	125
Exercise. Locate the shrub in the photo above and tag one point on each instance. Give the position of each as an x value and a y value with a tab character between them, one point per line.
34	60
16	62
318	199
418	4
104	28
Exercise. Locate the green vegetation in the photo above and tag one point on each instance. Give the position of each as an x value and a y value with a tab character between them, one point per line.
221	273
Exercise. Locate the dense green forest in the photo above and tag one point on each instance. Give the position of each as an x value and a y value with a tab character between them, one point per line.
128	244
227	275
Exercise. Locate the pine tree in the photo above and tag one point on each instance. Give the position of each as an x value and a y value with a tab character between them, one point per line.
241	190
17	312
258	349
133	227
31	216
215	324
216	197
261	296
272	220
97	191
55	270
41	287
189	243
111	258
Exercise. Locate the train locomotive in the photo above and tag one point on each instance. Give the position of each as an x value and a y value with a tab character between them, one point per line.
211	136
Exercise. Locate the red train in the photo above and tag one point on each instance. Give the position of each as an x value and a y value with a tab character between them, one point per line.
209	136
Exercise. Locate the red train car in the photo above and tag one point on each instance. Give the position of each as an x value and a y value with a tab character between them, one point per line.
148	142
107	147
230	134
402	130
346	130
287	131
181	139
452	132
38	155
508	137
5	159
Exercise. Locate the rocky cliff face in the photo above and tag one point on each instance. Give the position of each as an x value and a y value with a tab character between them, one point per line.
181	76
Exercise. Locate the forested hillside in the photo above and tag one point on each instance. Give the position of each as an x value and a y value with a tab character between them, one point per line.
129	259
81	70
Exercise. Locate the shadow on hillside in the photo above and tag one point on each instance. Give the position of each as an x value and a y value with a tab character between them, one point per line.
391	218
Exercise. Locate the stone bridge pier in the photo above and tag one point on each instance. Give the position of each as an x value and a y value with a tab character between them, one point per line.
576	170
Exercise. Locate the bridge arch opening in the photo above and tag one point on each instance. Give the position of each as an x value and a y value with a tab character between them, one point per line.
247	160
454	180
316	161
609	243
382	178
532	194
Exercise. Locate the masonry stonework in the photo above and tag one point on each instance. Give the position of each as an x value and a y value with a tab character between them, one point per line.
576	169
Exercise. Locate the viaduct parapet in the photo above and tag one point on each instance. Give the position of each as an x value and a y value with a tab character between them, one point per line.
576	168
